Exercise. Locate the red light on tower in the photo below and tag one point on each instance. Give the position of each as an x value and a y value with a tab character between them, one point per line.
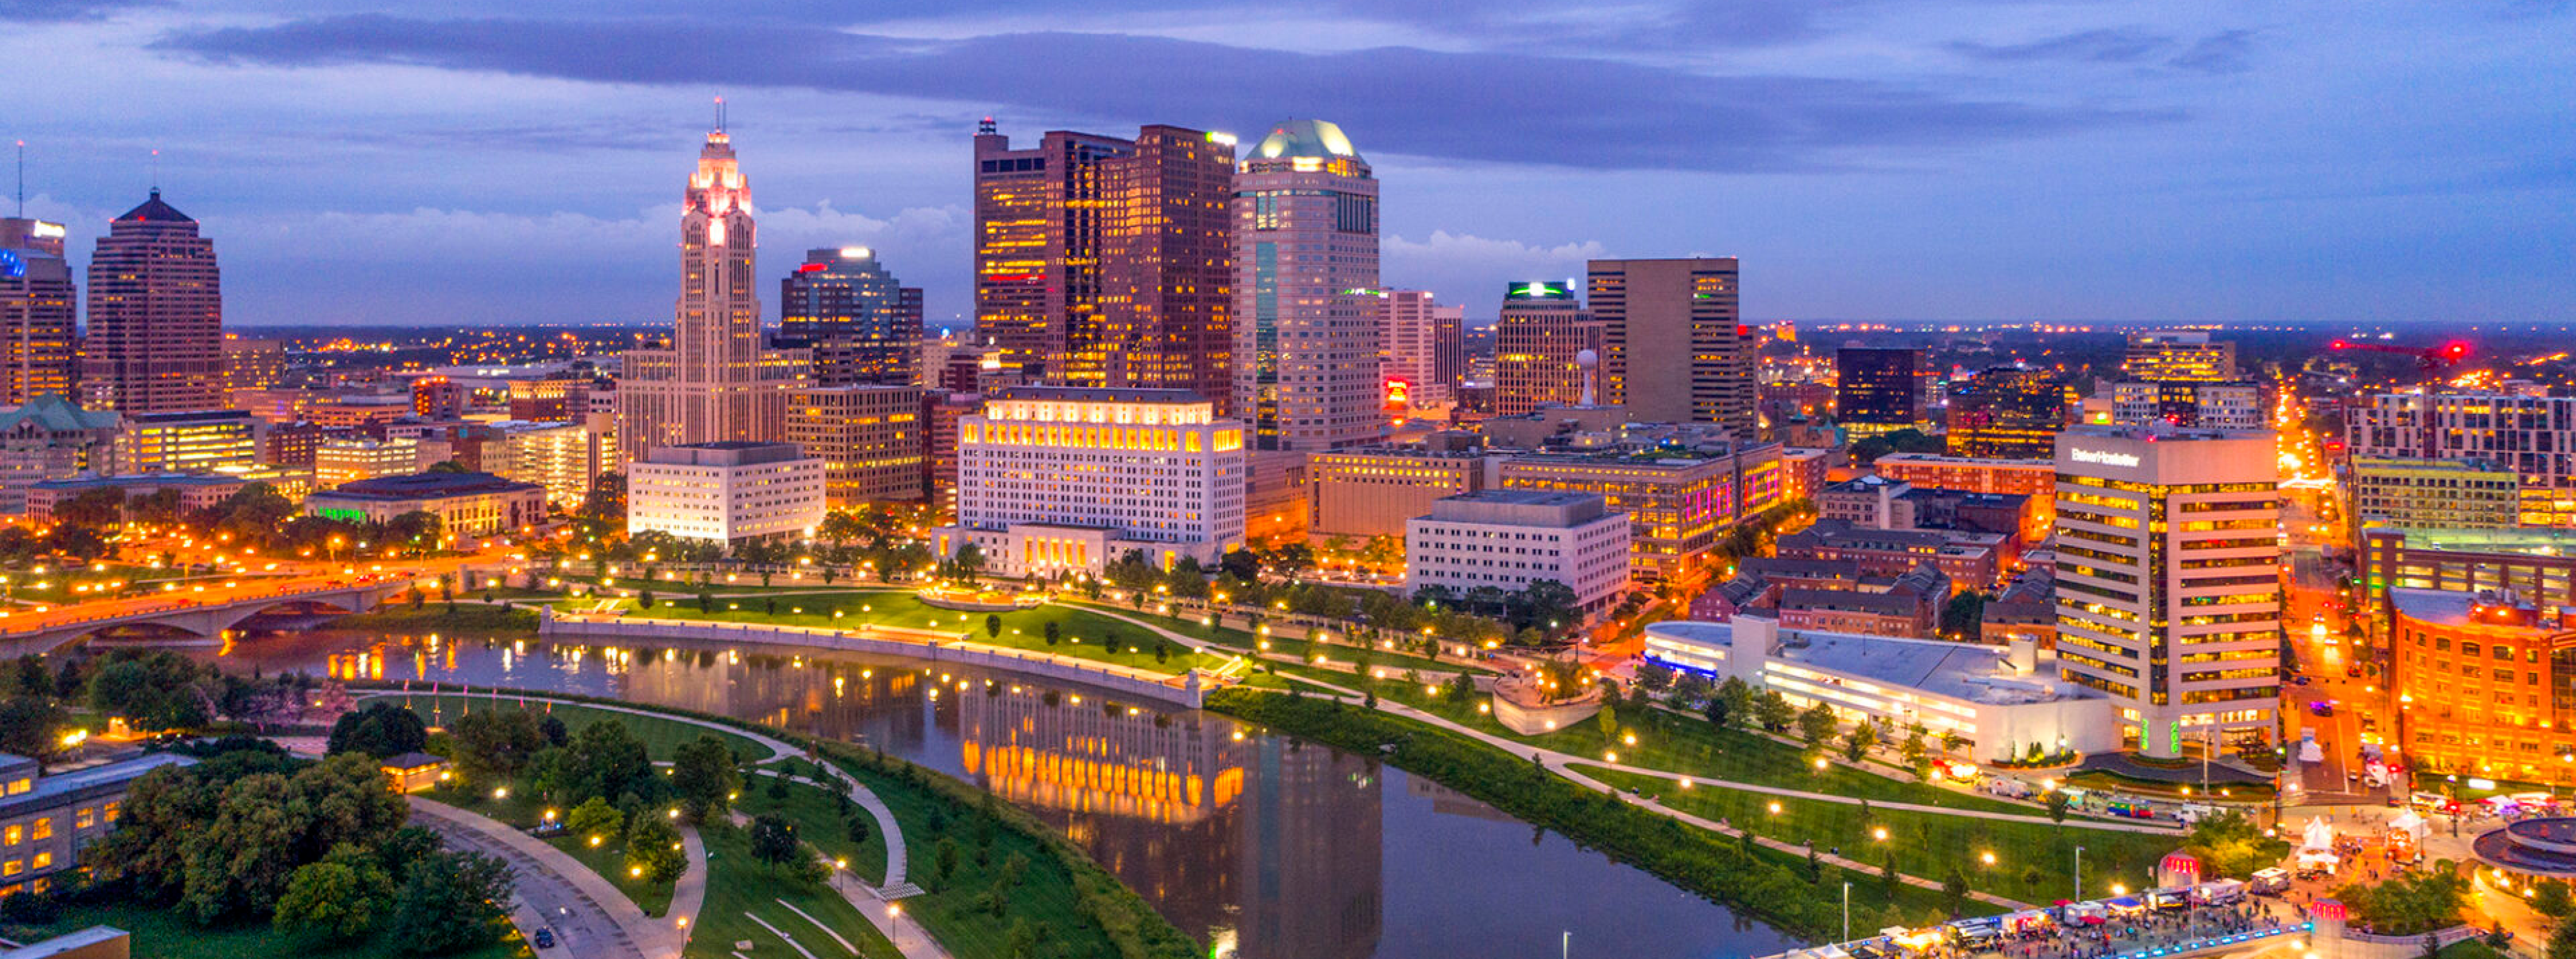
2456	349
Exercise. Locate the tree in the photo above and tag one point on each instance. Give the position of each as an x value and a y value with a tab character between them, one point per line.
704	778
554	731
2410	903
1608	718
2232	846
2562	941
858	830
1054	632
1773	711
334	899
93	508
947	859
1965	614
2057	807
773	840
32	726
595	817
1816	724
993	625
496	743
1954	892
1241	564
604	759
1856	743
450	902
1654	678
156	690
654	846
447	466
2550	897
968	562
381	728
1738	697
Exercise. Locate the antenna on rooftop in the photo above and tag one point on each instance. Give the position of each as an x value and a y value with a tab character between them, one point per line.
22	178
720	115
156	171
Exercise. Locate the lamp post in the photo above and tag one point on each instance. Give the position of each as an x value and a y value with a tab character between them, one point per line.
1846	912
2079	873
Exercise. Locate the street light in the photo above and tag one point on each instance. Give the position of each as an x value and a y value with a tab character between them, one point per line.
1846	911
2079	872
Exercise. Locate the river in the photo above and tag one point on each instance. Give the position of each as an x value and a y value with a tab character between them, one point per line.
1263	847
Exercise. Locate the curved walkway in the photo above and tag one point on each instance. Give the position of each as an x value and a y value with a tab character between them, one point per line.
877	903
627	930
1564	764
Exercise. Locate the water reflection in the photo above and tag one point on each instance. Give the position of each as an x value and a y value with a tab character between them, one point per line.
1261	846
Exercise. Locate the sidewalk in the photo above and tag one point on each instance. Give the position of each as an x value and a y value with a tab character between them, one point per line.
654	938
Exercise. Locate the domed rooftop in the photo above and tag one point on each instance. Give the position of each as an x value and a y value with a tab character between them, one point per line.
1305	138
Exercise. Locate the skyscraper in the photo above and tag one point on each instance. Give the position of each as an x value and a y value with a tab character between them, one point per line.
156	315
1877	390
37	312
2168	581
1307	309
714	383
2179	356
1106	262
1676	349
863	325
2007	413
1539	347
1426	347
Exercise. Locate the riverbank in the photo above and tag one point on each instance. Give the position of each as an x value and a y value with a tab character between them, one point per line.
1771	885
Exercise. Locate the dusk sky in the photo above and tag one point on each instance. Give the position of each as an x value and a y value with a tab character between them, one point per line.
480	162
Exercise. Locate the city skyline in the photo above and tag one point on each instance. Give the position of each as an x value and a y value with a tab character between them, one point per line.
1870	164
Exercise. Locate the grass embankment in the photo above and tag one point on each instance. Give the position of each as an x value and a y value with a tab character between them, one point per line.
1081	634
1765	883
164	934
1102	911
466	617
820	819
662	736
523	810
1291	640
740	888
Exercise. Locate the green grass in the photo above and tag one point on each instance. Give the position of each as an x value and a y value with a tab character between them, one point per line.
951	906
1085	635
469	617
739	887
2033	862
817	815
1285	638
163	934
662	735
2115	782
523	811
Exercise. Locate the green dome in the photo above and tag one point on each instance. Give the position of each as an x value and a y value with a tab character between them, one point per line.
1305	138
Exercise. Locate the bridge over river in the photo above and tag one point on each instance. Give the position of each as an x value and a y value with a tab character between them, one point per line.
202	612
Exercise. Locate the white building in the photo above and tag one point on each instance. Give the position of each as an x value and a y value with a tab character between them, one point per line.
728	492
2209	406
1508	539
1068	479
2000	699
2168	581
338	460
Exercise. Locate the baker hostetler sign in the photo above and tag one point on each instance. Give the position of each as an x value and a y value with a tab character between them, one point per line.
2082	455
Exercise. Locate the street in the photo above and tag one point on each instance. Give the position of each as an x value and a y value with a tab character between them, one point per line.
583	927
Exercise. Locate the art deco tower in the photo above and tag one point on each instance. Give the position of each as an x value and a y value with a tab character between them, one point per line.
715	382
156	315
1307	311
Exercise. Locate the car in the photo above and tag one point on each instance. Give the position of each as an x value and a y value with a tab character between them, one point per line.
2298	680
545	939
2322	707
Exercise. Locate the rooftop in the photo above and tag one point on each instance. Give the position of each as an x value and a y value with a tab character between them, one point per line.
1965	671
1305	138
68	787
424	485
55	413
1093	394
2534	542
155	211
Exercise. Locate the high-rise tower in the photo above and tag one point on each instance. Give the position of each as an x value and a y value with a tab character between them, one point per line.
1307	311
37	311
1105	262
714	382
1676	351
156	315
863	325
1425	347
1539	347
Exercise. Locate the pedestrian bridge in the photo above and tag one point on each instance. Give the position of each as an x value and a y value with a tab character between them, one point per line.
185	616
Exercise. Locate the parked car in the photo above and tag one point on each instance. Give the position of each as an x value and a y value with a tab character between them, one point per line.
545	939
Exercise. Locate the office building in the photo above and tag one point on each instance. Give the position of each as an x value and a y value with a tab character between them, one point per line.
290	445
1426	348
1868	501
1877	391
1307	309
38	311
1102	262
1803	471
1907	606
2176	356
1998	702
187	442
2168	582
348	459
1678	505
562	457
467	504
155	339
2007	413
2484	678
1676	350
863	325
438	398
196	491
2206	405
50	439
47	821
2538	565
942	413
1065	479
1372	491
1971	560
1547	350
253	364
870	439
2532	436
715	382
2433	494
2034	478
1508	539
730	492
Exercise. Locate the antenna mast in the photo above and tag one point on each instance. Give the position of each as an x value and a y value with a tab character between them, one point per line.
22	178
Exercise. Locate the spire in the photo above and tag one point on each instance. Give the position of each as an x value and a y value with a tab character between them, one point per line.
22	178
720	115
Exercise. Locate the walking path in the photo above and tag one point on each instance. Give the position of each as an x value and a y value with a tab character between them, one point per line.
1563	764
875	902
636	933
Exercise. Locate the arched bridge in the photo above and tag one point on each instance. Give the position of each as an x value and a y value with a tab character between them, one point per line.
203	616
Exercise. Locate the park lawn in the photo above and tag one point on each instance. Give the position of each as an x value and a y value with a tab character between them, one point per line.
523	810
2115	782
949	907
164	934
820	822
740	887
1695	747
468	616
662	735
2034	862
1085	635
1283	638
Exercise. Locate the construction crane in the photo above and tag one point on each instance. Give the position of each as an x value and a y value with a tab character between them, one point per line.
2427	358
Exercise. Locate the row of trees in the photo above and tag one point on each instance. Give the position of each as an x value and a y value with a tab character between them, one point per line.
315	848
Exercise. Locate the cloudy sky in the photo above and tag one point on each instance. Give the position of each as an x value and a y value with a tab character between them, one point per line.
481	161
